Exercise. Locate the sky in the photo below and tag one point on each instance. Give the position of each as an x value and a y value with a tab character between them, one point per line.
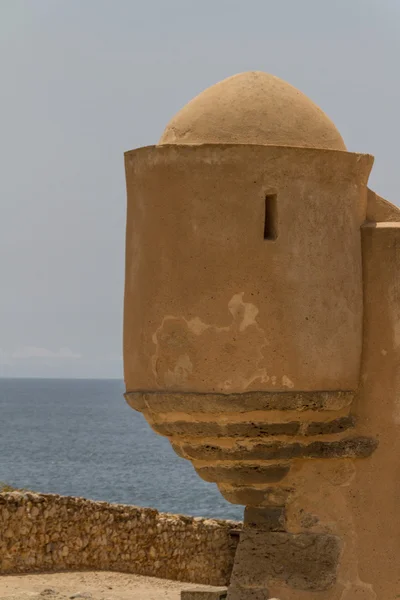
82	81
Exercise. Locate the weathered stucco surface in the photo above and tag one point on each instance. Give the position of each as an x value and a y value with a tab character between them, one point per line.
253	108
381	210
210	305
357	501
44	532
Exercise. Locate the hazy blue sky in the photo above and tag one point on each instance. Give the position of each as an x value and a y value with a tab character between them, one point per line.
84	80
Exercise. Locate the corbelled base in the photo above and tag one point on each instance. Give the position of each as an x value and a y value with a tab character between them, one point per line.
247	443
286	456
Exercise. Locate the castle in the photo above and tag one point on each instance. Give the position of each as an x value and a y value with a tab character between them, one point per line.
261	333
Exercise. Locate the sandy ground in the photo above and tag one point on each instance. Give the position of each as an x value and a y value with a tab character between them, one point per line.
95	585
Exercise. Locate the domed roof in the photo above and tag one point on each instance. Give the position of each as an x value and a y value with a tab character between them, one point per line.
253	108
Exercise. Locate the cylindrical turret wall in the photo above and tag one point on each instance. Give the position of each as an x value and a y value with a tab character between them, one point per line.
243	268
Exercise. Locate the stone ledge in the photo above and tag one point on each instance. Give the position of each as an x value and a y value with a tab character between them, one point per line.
169	401
252	429
250	496
243	473
354	447
217	593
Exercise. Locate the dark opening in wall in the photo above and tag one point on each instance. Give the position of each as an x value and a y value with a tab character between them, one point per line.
271	218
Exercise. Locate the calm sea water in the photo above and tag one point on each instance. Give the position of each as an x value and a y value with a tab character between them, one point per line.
80	438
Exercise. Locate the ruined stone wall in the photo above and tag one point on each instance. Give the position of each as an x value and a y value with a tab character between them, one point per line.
48	532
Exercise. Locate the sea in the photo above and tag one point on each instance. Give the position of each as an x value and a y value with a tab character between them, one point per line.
78	437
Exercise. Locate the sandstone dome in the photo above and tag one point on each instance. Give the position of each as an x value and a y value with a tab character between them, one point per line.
253	108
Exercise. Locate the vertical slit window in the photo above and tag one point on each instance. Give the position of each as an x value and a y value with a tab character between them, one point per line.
270	218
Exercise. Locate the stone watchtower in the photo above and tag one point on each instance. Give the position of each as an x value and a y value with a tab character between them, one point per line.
262	334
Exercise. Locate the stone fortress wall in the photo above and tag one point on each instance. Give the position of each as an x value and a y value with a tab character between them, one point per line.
43	532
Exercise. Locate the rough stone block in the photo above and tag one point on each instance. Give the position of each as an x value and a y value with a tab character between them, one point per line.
238	592
271	518
304	561
216	593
